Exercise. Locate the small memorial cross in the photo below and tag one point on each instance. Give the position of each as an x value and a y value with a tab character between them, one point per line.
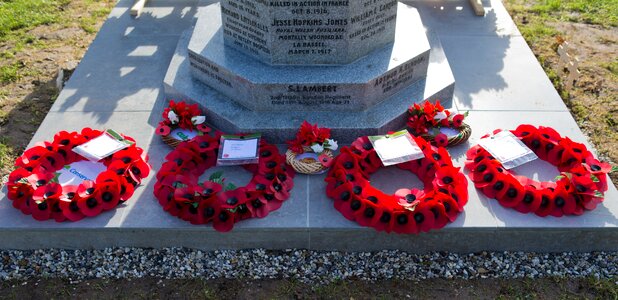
570	62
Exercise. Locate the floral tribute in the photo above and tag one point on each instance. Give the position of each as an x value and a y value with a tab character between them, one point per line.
408	210
426	121
579	187
184	116
34	189
181	194
311	139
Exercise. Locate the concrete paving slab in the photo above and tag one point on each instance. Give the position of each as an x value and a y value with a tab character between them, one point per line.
456	18
499	73
498	79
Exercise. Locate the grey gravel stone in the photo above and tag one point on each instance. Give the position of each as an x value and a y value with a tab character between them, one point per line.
302	265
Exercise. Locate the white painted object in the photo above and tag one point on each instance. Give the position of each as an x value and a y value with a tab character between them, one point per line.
136	10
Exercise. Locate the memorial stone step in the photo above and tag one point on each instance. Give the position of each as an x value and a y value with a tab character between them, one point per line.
353	87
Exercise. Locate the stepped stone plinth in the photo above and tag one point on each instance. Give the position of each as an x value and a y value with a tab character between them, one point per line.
353	87
367	97
308	32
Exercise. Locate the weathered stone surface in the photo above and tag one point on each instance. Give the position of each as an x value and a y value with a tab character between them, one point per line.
353	87
280	126
308	32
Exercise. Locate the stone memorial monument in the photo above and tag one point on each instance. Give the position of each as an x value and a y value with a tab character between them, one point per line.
265	66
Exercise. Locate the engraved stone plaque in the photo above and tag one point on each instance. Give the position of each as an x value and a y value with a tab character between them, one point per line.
308	32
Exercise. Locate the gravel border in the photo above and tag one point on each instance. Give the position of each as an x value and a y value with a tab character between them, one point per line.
303	265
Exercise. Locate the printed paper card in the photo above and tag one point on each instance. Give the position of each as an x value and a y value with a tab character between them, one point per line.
102	146
507	149
396	148
238	150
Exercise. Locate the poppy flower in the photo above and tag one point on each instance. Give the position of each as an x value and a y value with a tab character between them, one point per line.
342	194
451	209
547	204
164	194
599	170
32	156
190	212
525	131
233	198
203	128
409	199
584	185
369	214
261	207
89	133
441	140
20	194
44	199
385	220
68	203
108	195
512	194
531	201
39	179
181	159
564	203
438	210
223	221
403	222
370	161
207	209
325	160
163	130
458	120
17	175
447	176
174	208
424	217
362	144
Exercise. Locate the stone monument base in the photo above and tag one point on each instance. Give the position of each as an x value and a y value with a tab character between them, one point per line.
432	80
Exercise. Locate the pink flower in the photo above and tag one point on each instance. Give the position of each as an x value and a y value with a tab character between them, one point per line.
441	140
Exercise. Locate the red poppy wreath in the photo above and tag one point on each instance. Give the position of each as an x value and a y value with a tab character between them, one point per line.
408	210
34	189
579	187
181	194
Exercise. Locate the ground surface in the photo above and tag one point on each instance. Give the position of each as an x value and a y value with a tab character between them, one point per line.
152	288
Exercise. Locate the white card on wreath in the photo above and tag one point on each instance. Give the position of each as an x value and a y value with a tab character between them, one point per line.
507	149
102	146
396	148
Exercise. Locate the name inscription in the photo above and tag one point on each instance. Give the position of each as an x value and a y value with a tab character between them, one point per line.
295	27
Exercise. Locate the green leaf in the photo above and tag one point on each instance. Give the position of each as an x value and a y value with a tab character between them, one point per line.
614	169
55	179
216	175
195	204
466	114
67	167
598	194
229	187
594	178
559	177
179	185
